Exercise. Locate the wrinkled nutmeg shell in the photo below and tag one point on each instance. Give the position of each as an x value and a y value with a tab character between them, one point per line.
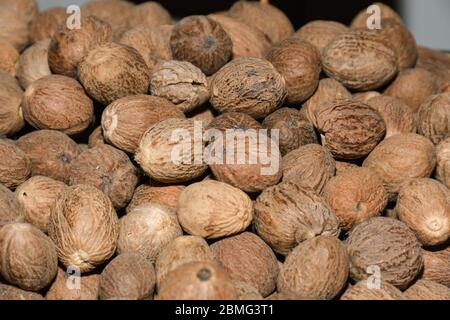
11	116
365	290
434	117
442	173
427	290
61	290
165	195
436	265
33	63
15	166
320	32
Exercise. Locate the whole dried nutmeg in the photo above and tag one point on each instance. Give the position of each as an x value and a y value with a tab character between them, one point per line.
13	28
129	276
108	169
265	17
288	214
387	245
64	287
125	120
424	205
204	114
397	115
435	62
366	96
9	57
57	103
167	151
113	71
249	85
180	82
28	256
11	117
96	138
434	117
436	265
350	129
311	166
315	268
150	14
299	63
148	229
320	32
27	9
165	195
47	23
203	280
246	291
427	290
12	293
15	166
51	153
213	209
181	250
294	127
246	257
33	63
69	46
365	290
37	196
342	166
443	162
10	209
355	195
247	40
234	121
84	227
386	12
360	60
202	42
400	158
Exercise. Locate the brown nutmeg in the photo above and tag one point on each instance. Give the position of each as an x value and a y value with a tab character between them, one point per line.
129	276
355	195
204	114
234	121
249	85
27	9
204	280
424	205
57	103
427	290
150	14
51	153
386	245
202	42
84	227
33	63
366	96
434	116
386	12
435	62
299	63
69	46
96	138
436	265
11	117
213	209
400	158
165	195
12	293
65	287
366	290
320	32
28	256
13	28
342	166
360	60
350	129
443	162
107	169
246	291
315	268
37	196
288	214
47	23
15	166
9	57
10	209
246	257
125	120
311	166
265	17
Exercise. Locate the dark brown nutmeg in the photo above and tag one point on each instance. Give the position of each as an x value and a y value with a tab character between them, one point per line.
11	115
366	290
15	167
320	32
65	287
165	195
10	209
47	23
33	63
434	117
202	42
150	14
436	264
9	57
386	12
427	290
12	293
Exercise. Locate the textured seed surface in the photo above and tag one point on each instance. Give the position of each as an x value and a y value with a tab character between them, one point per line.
12	293
33	63
320	32
435	266
434	117
10	209
165	195
62	290
15	166
365	290
11	116
427	290
443	162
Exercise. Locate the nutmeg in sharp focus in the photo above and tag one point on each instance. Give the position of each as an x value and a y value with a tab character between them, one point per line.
436	264
434	116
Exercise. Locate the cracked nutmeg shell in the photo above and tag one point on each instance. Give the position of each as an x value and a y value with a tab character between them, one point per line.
60	290
8	292
213	209
249	85
15	167
47	23
387	245
320	32
318	267
201	41
436	264
11	114
28	256
84	227
33	63
434	117
442	173
58	103
10	209
427	290
9	57
125	120
365	290
349	129
288	214
165	195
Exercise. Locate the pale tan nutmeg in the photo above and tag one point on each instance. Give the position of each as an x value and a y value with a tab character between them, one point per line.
355	195
165	195
320	32
47	23
424	205
180	82
366	96
213	209
8	292
317	267
436	264
64	287
310	166
246	291
147	230
150	14
203	280
28	256
436	62
386	12
84	227
10	209
9	57
51	153
129	276
433	117
11	115
27	9
427	290
125	121
171	159
58	103
37	196
288	214
246	257
15	166
366	290
33	63
13	28
96	138
108	169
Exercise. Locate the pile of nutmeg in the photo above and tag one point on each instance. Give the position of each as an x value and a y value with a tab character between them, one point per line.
97	104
